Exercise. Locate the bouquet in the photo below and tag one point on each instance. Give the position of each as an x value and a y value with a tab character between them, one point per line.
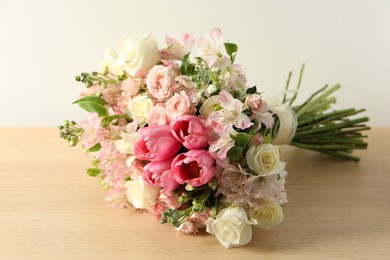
178	132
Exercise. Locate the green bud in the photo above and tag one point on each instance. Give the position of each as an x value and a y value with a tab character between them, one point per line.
78	78
106	71
189	187
197	206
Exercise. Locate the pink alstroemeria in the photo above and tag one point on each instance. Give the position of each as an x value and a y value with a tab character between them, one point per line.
175	49
209	46
230	115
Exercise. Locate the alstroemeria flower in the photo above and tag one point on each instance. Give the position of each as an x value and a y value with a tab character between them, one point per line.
230	115
209	46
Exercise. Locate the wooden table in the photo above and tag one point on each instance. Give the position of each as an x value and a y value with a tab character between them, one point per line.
51	209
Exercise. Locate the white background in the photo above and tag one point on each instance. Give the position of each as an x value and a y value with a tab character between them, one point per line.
44	44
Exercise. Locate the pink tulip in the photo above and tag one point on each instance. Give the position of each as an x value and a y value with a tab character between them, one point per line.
195	167
153	171
156	143
190	131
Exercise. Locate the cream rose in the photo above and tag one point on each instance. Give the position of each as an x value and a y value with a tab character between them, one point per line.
160	82
209	106
139	108
264	159
134	54
140	194
268	215
231	227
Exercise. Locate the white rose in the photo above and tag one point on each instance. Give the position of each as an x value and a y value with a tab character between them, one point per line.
264	159
139	108
231	227
134	54
209	106
268	215
140	194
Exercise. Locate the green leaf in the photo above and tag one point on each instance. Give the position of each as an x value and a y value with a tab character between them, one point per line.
91	106
187	68
231	49
241	138
251	90
94	148
236	153
93	171
93	99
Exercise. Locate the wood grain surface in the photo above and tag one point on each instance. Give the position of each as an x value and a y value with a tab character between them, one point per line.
51	209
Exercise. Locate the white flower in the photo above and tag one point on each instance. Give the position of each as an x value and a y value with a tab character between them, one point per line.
139	108
268	215
231	227
264	159
140	194
126	143
209	106
134	54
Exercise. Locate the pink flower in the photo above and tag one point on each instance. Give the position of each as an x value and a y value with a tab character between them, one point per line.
195	167
160	82
111	94
260	110
91	126
158	116
131	86
156	143
209	46
154	170
231	115
117	197
175	50
179	105
190	131
167	199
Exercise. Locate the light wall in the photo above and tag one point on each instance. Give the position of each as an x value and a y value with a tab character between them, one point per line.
44	44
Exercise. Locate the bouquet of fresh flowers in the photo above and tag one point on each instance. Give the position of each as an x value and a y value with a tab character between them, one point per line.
182	136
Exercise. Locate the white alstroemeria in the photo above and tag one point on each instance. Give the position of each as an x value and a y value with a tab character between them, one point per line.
230	115
126	143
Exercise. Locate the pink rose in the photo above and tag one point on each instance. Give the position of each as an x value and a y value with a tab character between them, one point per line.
154	170
160	81
190	131
179	105
195	167
157	116
256	103
156	143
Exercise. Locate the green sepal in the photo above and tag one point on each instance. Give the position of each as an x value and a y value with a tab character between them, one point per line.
93	171
94	148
